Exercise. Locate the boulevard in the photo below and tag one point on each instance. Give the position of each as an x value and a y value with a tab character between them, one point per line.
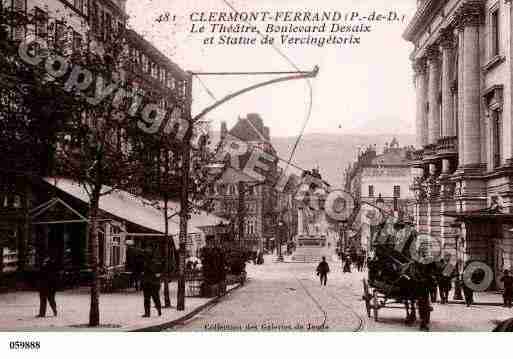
288	297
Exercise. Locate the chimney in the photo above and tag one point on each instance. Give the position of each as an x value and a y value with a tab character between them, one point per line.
256	121
267	133
224	130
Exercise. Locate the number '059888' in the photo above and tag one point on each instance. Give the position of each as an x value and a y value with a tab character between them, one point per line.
24	345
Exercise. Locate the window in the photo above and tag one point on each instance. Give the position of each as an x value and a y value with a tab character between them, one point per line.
41	23
94	18
397	191
496	138
20	5
77	42
16	201
439	105
145	64
108	26
101	25
494	33
115	253
79	5
371	191
59	35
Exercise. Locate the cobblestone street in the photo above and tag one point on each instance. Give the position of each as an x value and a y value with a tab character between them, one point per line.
287	296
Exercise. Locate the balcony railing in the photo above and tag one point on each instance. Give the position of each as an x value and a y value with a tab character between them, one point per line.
417	155
447	145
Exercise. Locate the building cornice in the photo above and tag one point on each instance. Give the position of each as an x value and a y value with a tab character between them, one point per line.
468	13
421	18
155	54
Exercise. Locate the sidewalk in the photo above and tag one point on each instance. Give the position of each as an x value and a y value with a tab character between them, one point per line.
118	311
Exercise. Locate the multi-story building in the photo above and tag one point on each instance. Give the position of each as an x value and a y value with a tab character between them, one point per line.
383	181
257	205
42	216
463	76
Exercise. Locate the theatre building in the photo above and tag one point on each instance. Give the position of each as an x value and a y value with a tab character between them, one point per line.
463	76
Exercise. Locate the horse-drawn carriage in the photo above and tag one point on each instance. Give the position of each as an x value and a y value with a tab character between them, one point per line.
398	277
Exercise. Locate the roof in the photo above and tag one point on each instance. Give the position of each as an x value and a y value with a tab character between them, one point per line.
198	219
155	54
393	157
251	128
484	214
134	209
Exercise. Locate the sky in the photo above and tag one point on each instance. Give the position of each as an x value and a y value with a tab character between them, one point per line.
360	89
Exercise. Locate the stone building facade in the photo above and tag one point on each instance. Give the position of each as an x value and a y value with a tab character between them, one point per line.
463	77
383	181
258	206
25	236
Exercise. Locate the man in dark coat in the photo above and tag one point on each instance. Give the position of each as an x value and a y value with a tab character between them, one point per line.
507	279
424	283
468	292
347	264
444	287
433	290
151	289
322	271
47	285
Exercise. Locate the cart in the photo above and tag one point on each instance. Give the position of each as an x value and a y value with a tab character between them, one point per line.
381	295
391	284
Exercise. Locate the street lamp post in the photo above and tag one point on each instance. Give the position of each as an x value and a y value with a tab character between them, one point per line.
380	203
279	236
458	295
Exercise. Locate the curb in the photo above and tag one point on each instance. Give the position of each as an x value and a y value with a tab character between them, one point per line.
171	324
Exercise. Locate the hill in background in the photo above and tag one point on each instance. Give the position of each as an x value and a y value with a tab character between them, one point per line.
330	152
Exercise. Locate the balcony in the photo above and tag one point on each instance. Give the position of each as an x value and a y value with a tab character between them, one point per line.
447	146
429	150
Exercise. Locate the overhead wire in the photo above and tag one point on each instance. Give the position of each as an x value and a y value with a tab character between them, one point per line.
308	82
205	87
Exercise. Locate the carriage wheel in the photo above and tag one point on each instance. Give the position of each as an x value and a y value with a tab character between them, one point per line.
375	305
367	298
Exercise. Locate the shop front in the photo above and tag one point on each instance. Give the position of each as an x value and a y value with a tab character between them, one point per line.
485	237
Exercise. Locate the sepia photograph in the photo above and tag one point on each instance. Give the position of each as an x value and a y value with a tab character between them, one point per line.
257	166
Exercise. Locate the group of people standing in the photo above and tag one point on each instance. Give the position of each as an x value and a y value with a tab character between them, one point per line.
352	259
442	285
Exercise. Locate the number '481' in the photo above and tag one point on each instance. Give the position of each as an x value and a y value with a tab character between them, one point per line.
163	17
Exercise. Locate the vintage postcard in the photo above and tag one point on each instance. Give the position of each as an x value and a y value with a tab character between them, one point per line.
255	166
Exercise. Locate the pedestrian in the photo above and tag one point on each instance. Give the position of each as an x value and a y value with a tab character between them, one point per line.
468	293
444	287
507	279
151	289
423	293
322	271
347	264
433	292
47	286
361	261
